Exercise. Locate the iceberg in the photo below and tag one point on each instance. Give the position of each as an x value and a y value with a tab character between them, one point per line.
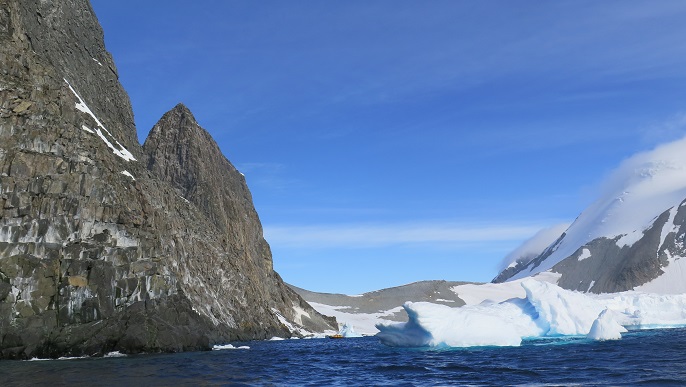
348	331
606	328
545	311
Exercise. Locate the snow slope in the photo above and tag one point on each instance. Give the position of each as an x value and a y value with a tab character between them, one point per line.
364	323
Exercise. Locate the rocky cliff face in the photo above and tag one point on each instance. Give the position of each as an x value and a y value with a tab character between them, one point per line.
184	155
97	253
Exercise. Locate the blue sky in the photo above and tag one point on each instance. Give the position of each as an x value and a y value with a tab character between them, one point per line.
387	142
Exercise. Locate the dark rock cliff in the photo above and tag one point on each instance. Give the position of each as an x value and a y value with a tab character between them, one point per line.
97	253
183	154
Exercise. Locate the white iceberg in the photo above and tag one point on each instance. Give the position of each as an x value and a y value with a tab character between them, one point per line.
546	311
347	330
605	327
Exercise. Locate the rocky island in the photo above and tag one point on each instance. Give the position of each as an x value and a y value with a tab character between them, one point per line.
107	245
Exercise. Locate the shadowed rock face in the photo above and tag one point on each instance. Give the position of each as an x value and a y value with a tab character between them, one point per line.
183	154
97	253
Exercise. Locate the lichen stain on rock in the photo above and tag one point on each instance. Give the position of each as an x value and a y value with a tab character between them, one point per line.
78	281
22	107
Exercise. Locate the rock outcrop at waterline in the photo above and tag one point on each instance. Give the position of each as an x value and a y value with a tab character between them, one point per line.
98	253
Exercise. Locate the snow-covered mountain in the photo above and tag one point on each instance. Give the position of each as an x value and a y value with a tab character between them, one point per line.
632	237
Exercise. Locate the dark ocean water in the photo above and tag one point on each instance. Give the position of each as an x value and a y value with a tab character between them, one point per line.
656	357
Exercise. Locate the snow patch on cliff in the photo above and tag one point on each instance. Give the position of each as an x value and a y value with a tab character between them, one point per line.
585	254
534	246
293	328
120	151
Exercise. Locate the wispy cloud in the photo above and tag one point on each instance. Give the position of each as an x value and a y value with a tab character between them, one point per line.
534	246
378	235
271	168
272	176
669	129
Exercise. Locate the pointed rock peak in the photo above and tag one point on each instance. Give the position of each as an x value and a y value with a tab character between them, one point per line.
178	125
177	139
185	155
180	113
181	108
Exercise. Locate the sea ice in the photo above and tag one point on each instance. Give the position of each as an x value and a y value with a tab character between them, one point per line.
115	354
59	358
228	346
545	310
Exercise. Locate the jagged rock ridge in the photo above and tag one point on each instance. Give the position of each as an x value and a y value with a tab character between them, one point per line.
97	253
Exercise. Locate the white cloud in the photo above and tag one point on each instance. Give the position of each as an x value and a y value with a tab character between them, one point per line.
534	246
376	235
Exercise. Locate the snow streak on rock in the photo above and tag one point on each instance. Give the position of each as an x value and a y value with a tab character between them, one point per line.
120	151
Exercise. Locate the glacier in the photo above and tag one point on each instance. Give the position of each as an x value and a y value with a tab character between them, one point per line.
545	310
